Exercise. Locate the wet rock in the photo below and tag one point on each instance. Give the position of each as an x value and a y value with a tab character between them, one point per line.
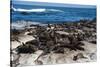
26	49
94	42
15	32
33	42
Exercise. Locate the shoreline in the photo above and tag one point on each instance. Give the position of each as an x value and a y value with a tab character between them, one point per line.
22	23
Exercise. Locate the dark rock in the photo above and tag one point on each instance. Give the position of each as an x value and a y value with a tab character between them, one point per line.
58	50
15	32
26	48
94	42
78	56
33	42
75	58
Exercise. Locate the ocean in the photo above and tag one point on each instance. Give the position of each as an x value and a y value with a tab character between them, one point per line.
50	14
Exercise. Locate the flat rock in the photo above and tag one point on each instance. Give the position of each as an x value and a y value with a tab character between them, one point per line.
25	38
15	44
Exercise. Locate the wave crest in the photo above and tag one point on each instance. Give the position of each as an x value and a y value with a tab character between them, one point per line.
36	10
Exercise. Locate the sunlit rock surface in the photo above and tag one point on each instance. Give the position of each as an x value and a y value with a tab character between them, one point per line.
54	58
64	43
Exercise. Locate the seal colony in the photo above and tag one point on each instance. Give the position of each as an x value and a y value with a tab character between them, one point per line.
69	42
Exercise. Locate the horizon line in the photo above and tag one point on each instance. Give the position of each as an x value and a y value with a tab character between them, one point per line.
53	4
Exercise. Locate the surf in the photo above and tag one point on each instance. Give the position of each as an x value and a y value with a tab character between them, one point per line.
36	10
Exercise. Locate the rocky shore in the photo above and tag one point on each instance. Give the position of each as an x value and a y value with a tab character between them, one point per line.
69	42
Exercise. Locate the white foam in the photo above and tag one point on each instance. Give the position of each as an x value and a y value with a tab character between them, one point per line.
36	10
22	24
29	10
55	10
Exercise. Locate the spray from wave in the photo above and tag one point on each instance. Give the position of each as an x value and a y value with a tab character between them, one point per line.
23	24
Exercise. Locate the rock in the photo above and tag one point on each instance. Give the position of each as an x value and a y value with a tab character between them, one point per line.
59	50
94	42
78	56
15	32
25	38
15	44
59	43
38	62
14	60
93	56
62	32
33	42
26	49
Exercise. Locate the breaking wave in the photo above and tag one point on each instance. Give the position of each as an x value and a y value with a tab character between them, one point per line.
36	10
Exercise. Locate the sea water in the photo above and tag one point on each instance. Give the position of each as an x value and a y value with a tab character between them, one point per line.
50	14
